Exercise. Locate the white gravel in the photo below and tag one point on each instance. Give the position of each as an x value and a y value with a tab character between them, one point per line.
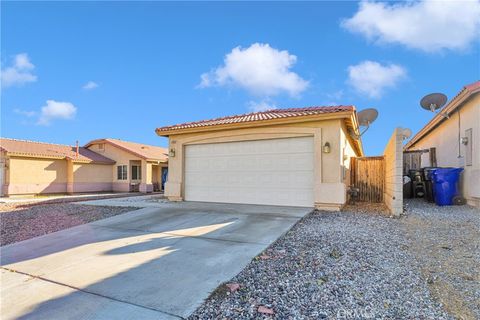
22	221
355	266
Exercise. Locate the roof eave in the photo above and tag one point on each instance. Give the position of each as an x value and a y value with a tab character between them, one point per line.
157	160
93	161
61	157
453	105
356	142
116	145
123	148
259	123
92	142
31	155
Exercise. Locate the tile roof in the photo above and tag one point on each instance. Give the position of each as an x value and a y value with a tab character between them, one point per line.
141	150
473	86
260	116
50	150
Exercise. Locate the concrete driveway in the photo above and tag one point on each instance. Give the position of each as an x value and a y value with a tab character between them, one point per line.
158	262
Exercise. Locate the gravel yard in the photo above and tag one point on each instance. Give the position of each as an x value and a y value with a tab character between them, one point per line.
446	242
355	265
23	221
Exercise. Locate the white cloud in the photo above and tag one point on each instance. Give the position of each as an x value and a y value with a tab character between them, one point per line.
430	25
19	73
25	113
257	106
260	69
90	85
371	78
22	62
56	110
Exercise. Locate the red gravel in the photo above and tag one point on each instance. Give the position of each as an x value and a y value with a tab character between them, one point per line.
23	221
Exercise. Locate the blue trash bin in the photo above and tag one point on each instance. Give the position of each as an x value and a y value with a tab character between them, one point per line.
445	182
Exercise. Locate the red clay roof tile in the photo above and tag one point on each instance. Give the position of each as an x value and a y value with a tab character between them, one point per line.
141	150
42	149
260	116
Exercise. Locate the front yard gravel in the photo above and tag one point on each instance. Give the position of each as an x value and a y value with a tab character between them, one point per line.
354	265
23	221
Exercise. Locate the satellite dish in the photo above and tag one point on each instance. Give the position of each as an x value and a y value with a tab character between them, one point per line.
406	133
365	118
433	101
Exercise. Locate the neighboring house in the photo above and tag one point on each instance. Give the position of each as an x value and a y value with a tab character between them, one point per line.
138	166
296	157
455	141
28	167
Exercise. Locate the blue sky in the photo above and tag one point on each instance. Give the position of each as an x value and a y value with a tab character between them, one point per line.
81	71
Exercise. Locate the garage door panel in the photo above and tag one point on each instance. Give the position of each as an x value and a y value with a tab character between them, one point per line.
275	172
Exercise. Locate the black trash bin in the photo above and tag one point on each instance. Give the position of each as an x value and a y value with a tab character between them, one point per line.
429	195
418	183
407	187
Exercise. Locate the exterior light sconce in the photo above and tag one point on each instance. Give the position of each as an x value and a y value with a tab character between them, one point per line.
326	147
171	153
464	140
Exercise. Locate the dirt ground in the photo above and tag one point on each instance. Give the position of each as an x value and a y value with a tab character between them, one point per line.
446	241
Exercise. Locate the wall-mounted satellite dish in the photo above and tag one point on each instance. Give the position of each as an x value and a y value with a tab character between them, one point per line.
433	102
406	133
365	118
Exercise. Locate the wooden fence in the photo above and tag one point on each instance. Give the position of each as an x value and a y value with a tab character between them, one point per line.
412	159
368	175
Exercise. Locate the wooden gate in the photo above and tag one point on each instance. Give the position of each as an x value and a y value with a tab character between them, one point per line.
368	175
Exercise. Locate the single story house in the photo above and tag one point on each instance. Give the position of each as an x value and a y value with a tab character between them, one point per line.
105	165
138	167
293	157
452	139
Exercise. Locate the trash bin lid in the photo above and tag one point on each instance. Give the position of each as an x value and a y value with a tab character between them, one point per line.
446	174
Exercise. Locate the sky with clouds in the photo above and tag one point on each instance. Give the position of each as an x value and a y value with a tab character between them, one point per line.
81	71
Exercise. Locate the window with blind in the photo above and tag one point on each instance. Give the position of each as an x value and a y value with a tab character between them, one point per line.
122	172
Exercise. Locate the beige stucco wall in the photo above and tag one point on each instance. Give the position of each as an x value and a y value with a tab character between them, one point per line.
92	177
445	139
3	174
393	155
121	157
36	175
42	176
330	188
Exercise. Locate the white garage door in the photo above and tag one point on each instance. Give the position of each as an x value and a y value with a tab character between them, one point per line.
273	172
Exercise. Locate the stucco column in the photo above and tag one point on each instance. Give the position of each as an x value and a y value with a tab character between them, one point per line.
173	186
146	185
317	166
4	172
329	188
70	176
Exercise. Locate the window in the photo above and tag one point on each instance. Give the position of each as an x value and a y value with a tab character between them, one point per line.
136	172
101	146
121	172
